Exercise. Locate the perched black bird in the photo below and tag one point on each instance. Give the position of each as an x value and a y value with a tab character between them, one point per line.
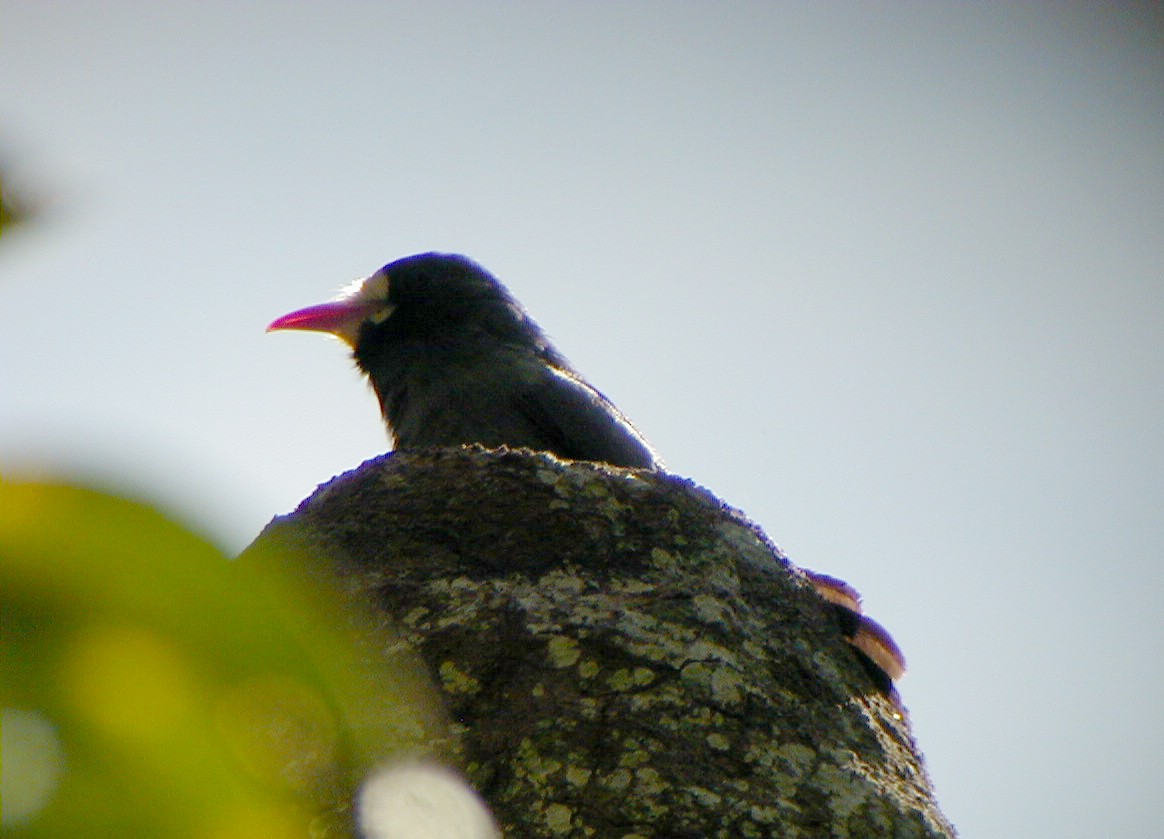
455	359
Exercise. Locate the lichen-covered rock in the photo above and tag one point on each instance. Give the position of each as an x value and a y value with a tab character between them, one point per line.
622	654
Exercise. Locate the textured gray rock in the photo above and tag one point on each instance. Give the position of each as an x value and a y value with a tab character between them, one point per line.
622	655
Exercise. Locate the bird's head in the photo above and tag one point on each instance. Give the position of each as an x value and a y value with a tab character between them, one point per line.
430	300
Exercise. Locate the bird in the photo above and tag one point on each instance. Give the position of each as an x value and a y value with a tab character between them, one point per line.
454	359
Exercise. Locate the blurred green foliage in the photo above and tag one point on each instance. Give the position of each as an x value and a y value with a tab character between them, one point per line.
10	213
153	687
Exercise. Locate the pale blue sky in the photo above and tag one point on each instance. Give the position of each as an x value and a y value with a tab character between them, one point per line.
889	278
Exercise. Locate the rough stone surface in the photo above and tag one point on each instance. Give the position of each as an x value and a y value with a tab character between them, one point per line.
621	653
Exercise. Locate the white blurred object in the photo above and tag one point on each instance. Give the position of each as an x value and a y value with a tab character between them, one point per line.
422	800
32	765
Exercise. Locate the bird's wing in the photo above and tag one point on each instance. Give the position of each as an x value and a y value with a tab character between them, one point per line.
582	423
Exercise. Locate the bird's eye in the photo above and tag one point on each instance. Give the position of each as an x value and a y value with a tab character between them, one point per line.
382	314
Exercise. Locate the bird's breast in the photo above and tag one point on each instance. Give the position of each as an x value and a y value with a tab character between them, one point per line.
450	399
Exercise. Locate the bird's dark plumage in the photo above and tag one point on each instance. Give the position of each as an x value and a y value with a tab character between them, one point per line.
455	359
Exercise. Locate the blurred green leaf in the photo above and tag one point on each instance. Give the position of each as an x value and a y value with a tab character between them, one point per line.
11	213
153	687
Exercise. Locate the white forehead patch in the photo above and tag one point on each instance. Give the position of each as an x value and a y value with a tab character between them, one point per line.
367	289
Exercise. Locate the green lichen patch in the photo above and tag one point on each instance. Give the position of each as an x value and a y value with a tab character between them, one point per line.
563	651
456	680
